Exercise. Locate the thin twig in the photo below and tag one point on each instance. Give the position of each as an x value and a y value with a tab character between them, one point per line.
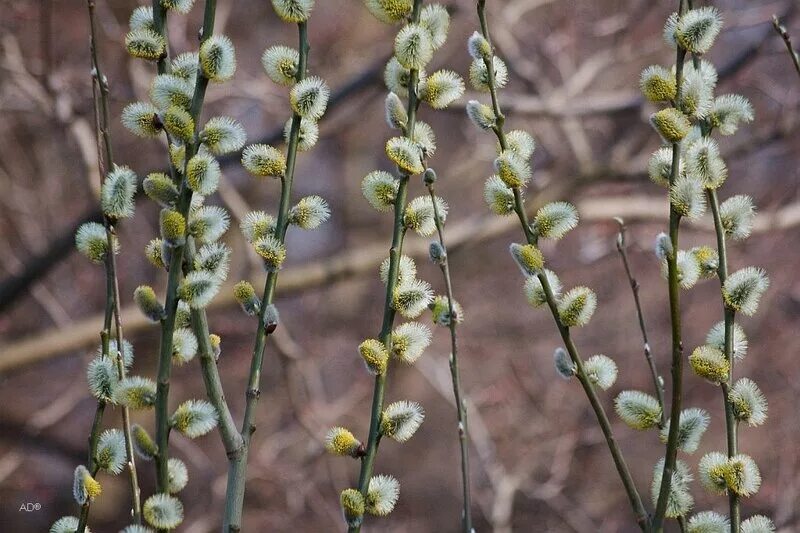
461	408
787	40
658	383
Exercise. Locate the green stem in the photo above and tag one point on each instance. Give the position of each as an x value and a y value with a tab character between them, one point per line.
657	383
519	208
461	408
237	461
675	321
730	316
395	252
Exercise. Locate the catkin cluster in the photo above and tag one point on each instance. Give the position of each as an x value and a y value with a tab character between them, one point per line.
424	30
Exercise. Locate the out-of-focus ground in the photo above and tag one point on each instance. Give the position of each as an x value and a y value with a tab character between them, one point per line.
539	462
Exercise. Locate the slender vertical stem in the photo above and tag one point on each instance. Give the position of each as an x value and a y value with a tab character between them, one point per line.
675	321
729	316
237	468
519	208
657	382
461	408
112	283
395	252
94	435
787	40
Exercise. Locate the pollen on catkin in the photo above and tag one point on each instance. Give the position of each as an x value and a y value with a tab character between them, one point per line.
679	500
143	443
272	252
382	495
397	77
145	43
498	196
412	297
671	124
340	441
520	142
749	403
712	471
194	418
85	488
185	66
554	220
352	503
406	154
309	213
710	364
163	511
707	260
409	341
420	215
91	241
380	189
246	297
742	475
688	269
528	257
440	311
693	424
441	89
135	392
309	97
208	223
658	84
168	90
179	123
222	135
141	18
202	174
217	58
173	227
375	356
704	162
478	46
425	138
263	160
576	307
280	64
638	409
514	170
400	420
198	288
160	188
601	370
256	225
742	290
111	455
145	298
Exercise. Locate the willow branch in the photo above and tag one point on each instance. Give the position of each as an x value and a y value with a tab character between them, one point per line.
787	40
519	208
461	408
237	468
658	384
